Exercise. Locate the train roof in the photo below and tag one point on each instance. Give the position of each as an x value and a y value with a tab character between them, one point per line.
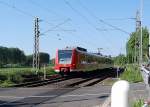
92	54
84	51
78	48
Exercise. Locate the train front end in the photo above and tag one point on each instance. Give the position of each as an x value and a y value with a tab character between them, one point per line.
64	61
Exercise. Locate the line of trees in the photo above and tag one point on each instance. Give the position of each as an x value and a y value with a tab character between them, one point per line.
16	57
133	46
120	60
44	59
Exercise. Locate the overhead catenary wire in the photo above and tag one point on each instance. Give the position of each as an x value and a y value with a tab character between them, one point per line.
81	15
117	28
101	20
68	31
95	17
33	16
57	26
16	9
44	8
76	11
119	19
51	12
48	10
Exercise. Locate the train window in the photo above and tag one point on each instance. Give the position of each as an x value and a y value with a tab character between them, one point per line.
64	56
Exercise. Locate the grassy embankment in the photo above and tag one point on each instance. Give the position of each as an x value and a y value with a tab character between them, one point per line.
132	74
12	76
138	103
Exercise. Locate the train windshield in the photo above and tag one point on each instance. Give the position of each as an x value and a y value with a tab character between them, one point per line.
64	56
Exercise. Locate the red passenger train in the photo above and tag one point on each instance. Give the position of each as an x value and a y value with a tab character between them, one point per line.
78	59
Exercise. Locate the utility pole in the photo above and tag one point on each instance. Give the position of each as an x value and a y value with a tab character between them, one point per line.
36	57
99	50
138	25
141	52
149	43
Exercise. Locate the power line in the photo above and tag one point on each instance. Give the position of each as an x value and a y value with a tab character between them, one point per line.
48	10
119	19
94	16
114	26
44	8
84	17
71	30
52	12
103	29
76	11
53	28
56	26
32	16
101	20
15	8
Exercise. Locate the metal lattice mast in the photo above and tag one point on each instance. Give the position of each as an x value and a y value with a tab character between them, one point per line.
141	38
149	44
138	25
36	57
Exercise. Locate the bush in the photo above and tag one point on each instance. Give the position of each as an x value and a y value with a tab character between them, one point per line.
138	103
19	75
132	74
6	83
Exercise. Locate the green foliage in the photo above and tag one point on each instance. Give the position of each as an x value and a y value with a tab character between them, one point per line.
132	74
132	45
10	76
44	59
50	71
14	74
29	60
11	56
138	103
120	60
6	83
14	57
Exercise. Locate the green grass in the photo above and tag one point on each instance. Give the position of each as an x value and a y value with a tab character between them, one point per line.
132	74
11	76
6	83
138	103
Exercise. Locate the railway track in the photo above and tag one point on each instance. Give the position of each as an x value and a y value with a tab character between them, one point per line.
85	80
52	79
91	81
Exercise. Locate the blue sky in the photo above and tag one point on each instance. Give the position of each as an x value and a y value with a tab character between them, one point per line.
80	29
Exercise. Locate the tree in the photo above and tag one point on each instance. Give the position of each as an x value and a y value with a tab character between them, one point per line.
132	46
120	60
29	60
44	59
11	56
15	56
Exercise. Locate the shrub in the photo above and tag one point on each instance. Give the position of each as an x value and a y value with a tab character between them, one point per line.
132	74
138	103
